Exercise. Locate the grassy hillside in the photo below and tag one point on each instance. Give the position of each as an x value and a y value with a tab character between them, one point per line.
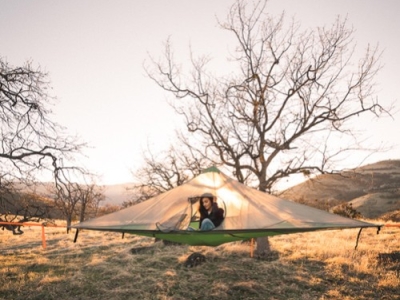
114	194
373	190
321	265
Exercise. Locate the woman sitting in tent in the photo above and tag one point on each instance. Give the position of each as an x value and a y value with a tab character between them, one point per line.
211	216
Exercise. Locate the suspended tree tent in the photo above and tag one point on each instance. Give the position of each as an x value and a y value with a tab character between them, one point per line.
249	213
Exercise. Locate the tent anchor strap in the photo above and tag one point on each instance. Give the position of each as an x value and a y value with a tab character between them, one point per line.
359	233
76	235
358	237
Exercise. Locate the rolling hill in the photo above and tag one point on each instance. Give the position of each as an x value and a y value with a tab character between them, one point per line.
373	190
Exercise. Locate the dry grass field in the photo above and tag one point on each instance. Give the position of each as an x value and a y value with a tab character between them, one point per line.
319	265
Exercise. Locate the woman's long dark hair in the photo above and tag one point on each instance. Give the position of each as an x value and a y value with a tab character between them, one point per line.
202	209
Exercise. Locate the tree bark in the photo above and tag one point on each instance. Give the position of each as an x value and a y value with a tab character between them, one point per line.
262	247
69	222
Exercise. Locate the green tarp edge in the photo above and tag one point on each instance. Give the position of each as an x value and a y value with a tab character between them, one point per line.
215	237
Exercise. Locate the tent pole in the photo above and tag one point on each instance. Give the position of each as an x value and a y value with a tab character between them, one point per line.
251	247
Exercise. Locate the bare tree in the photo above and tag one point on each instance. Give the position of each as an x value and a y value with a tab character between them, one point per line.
31	143
293	95
66	199
20	207
74	200
163	172
91	196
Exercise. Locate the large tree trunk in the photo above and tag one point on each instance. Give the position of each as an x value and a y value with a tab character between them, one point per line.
83	209
69	222
263	247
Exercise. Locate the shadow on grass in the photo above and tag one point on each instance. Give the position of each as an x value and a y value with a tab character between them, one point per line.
390	262
143	271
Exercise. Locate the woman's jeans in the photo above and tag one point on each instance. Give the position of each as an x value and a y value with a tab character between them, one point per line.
207	224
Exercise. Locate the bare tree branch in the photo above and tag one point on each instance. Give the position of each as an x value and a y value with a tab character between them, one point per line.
30	142
292	91
159	174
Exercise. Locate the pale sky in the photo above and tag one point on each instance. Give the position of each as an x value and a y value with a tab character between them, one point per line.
94	51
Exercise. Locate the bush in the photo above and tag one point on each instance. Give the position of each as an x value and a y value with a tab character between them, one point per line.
346	210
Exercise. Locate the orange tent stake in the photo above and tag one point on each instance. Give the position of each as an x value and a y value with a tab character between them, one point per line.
251	247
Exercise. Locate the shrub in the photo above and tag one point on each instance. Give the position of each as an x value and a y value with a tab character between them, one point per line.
346	210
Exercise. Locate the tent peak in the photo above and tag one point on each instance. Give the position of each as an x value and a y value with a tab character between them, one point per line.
211	169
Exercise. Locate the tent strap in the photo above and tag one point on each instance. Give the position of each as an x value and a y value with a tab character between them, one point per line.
76	235
358	237
359	233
